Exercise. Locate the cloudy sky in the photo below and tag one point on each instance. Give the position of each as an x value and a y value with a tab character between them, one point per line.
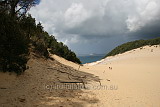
97	26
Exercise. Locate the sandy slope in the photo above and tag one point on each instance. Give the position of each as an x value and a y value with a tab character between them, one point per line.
33	88
133	81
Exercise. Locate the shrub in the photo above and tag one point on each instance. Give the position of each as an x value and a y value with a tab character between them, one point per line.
40	48
13	46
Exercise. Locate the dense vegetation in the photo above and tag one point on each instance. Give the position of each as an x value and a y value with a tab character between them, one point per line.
19	34
133	45
13	45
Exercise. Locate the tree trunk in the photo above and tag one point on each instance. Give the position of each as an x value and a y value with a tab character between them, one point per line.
13	7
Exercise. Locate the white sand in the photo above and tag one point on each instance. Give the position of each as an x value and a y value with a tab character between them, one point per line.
136	74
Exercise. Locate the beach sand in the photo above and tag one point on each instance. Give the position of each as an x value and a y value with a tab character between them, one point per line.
130	79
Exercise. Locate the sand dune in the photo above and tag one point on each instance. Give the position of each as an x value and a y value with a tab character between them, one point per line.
136	74
133	80
130	79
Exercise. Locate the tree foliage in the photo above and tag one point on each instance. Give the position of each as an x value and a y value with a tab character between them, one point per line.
17	7
42	41
13	45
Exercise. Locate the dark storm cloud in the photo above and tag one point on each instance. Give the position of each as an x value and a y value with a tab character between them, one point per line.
151	30
88	26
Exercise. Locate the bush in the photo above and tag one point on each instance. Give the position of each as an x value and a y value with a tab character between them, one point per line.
41	49
13	46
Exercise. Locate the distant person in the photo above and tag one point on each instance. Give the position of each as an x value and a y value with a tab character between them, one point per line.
110	68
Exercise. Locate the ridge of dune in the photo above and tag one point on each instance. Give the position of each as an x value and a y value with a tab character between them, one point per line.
64	61
137	53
